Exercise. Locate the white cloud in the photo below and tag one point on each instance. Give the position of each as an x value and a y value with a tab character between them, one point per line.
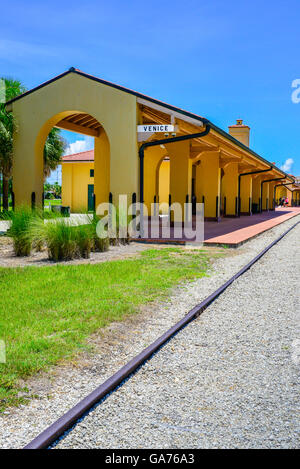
287	165
80	145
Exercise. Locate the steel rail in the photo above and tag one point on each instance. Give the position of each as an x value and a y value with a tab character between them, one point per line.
58	428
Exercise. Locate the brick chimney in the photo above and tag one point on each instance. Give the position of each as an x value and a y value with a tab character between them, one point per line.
240	131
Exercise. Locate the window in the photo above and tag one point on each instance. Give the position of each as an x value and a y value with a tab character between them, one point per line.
91	173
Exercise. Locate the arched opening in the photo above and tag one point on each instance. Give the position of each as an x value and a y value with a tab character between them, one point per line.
281	193
85	177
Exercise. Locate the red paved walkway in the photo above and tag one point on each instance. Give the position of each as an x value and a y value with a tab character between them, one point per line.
235	231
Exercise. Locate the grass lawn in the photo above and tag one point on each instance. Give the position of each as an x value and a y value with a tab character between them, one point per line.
52	202
47	312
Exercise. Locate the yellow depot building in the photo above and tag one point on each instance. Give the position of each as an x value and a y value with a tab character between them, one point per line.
78	181
144	148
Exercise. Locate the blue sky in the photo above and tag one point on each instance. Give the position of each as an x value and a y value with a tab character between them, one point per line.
222	60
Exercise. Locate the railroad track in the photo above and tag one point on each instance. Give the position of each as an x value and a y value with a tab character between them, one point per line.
51	434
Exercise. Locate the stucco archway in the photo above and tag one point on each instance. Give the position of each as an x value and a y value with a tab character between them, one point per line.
85	124
72	94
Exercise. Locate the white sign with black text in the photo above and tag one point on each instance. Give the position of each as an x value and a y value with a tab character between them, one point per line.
155	128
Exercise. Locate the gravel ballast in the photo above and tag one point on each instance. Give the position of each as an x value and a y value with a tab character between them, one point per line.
227	380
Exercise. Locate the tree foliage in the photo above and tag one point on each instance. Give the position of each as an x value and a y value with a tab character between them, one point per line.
54	149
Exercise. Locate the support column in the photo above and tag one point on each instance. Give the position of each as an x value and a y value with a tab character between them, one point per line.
230	189
101	169
180	174
209	181
271	196
28	164
246	195
256	181
289	196
199	182
265	197
163	186
153	156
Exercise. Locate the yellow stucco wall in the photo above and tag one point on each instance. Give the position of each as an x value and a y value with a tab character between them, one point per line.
75	181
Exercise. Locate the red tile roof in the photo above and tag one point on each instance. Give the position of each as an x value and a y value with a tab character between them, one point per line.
79	157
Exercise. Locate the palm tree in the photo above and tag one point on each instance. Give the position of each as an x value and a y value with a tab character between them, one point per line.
12	88
54	146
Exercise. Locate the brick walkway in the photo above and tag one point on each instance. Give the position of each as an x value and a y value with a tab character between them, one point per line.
235	231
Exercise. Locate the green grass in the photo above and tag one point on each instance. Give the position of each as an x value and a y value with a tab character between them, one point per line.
46	313
52	202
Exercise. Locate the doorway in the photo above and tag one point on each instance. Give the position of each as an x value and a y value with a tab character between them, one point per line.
90	197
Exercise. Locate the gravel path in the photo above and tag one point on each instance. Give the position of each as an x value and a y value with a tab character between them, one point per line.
227	380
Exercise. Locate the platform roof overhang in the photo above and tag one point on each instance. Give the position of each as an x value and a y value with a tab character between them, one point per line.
94	128
81	123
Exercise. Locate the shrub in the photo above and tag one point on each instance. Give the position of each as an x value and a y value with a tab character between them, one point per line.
61	240
99	244
36	231
122	220
84	240
6	215
22	218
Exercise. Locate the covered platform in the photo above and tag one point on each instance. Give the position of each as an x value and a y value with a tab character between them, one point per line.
233	232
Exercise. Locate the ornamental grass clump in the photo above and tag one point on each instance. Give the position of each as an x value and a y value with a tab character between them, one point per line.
20	230
84	239
122	223
100	239
61	241
38	229
100	244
